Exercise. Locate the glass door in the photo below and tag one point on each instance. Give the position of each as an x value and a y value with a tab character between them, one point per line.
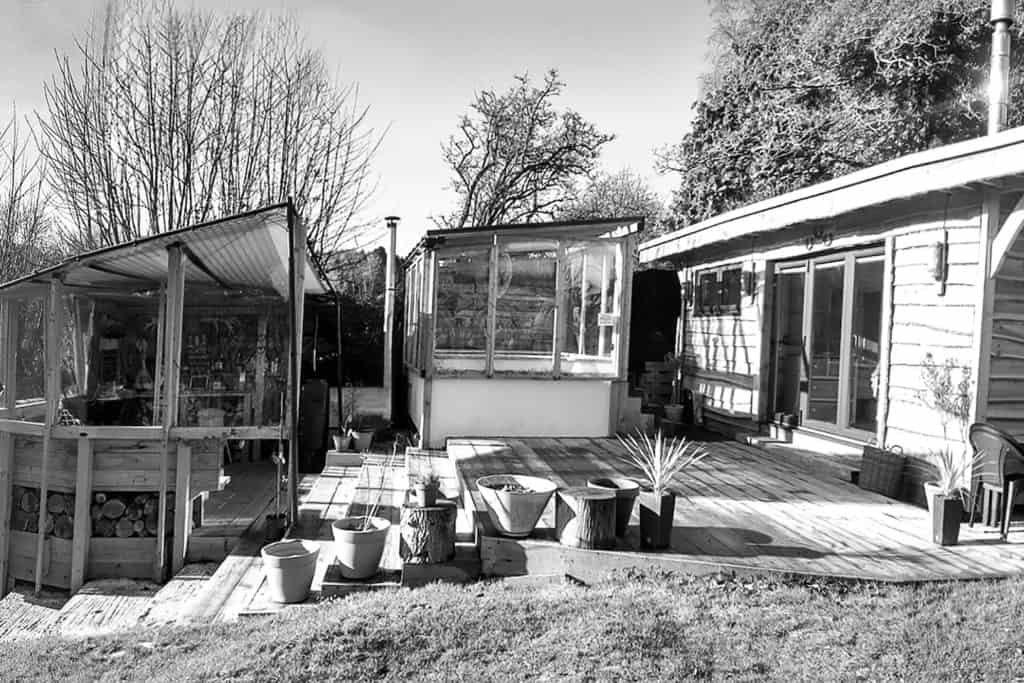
828	321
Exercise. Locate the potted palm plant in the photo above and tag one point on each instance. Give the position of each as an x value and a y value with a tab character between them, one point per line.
948	493
659	459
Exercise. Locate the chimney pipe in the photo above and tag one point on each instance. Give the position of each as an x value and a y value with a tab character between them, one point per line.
999	76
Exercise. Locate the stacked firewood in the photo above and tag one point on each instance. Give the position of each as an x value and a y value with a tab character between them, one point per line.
123	515
60	510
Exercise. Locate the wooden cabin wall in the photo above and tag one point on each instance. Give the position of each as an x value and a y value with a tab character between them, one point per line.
722	353
1005	408
925	320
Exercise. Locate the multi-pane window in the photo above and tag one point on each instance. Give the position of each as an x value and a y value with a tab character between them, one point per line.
718	291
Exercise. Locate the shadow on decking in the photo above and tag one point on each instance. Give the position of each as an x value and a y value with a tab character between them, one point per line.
739	542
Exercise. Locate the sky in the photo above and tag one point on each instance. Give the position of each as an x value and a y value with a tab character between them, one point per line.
631	67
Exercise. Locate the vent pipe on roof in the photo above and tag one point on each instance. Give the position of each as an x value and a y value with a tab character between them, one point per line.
999	76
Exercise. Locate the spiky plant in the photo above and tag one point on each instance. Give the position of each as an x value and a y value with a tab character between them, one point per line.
659	458
954	471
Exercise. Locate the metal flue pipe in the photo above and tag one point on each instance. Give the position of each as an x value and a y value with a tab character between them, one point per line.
389	313
999	76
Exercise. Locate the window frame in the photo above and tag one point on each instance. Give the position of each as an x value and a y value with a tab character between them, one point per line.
718	306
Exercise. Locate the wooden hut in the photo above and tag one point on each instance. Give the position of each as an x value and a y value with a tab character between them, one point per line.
124	371
819	310
519	330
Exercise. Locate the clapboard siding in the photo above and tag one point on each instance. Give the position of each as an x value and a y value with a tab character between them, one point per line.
929	320
1006	370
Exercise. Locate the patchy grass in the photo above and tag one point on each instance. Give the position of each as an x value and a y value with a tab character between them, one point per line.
666	627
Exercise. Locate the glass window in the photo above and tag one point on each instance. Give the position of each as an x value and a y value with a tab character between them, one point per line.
462	301
525	307
826	341
591	273
865	341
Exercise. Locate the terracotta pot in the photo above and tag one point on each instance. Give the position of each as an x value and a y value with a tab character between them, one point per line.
947	513
358	550
656	513
515	513
626	491
290	566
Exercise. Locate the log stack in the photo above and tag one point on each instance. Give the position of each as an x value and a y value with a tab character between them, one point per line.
60	509
124	515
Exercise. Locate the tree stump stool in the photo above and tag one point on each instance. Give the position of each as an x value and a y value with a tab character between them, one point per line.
585	517
428	533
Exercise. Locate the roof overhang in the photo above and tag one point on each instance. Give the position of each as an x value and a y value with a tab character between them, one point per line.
580	229
993	162
245	252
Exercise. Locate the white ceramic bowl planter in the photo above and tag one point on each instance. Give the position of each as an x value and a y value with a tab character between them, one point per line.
359	549
290	566
515	501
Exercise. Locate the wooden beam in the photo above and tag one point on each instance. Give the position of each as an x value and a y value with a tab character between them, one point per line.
981	347
601	344
83	520
1008	233
182	506
624	302
52	346
8	352
492	304
175	309
581	344
430	340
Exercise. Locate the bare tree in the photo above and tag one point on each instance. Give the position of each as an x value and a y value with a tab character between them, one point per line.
176	117
24	227
516	158
609	195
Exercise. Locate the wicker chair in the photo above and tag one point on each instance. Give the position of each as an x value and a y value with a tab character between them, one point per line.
999	469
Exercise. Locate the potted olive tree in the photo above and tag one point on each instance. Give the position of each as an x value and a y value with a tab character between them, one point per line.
659	459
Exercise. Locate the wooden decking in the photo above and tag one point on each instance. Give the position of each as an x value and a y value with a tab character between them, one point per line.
745	508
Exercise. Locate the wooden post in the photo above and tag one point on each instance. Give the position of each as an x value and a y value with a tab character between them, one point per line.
182	506
885	344
431	337
54	327
981	347
581	345
159	393
8	379
297	285
175	310
83	521
260	380
428	533
492	303
622	301
602	345
561	310
78	352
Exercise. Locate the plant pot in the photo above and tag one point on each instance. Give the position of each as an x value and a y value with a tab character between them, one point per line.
290	566
342	442
425	496
515	513
947	513
359	551
656	513
276	526
931	489
626	491
674	412
362	439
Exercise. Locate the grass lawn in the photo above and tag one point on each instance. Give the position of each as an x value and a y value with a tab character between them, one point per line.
632	627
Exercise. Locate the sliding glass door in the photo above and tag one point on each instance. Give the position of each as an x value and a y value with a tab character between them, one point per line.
832	306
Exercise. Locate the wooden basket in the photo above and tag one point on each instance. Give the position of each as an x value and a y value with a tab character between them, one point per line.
881	470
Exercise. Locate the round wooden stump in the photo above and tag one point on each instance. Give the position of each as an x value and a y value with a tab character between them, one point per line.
428	533
585	517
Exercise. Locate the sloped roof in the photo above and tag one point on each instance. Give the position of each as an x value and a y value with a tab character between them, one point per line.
247	251
995	161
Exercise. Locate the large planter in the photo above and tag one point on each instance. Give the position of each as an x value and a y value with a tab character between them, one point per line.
515	501
626	491
656	513
947	513
359	550
290	566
